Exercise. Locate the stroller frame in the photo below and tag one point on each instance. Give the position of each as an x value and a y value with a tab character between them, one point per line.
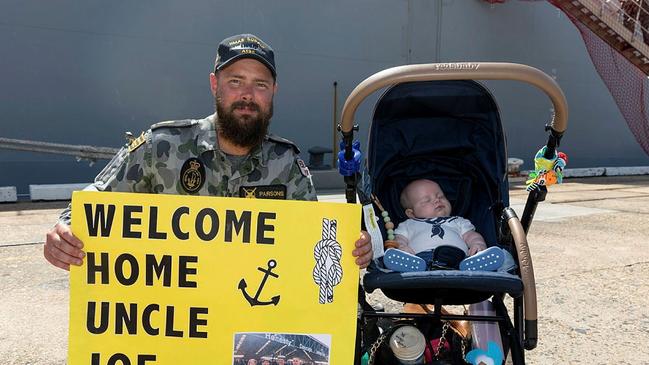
522	334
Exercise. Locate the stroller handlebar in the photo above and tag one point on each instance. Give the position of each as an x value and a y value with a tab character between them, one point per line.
459	71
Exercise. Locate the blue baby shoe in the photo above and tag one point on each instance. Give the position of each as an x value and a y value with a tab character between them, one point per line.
488	260
402	261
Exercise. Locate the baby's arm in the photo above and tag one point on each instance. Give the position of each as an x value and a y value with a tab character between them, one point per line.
403	243
475	242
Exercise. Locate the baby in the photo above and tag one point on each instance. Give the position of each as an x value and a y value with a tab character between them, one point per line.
430	225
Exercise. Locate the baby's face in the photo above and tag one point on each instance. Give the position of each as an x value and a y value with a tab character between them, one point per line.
427	200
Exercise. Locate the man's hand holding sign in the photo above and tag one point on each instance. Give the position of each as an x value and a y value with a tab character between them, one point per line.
177	279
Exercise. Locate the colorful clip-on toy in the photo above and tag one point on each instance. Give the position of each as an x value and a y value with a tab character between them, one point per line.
547	171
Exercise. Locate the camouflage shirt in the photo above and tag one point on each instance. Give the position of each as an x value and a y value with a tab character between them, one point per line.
183	157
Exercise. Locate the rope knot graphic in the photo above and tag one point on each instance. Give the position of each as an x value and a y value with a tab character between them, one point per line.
328	271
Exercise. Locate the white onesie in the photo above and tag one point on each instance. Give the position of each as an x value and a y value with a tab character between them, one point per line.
426	234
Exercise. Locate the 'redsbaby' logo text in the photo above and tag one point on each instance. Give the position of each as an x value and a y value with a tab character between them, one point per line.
456	66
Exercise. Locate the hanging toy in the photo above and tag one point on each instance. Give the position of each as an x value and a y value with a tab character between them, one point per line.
389	226
546	171
559	165
493	355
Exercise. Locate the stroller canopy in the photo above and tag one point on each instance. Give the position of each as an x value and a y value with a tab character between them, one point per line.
447	131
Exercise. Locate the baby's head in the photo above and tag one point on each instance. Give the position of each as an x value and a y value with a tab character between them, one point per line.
424	199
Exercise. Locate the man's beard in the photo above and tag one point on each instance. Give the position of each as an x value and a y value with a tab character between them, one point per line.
245	130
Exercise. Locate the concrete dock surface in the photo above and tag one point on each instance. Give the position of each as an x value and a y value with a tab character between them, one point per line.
589	244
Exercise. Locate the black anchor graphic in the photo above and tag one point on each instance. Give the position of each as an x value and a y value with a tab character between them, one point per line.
267	272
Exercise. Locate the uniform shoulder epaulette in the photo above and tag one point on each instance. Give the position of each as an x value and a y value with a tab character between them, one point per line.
134	143
174	124
278	139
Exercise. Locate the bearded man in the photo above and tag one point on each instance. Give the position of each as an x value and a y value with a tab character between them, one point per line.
229	153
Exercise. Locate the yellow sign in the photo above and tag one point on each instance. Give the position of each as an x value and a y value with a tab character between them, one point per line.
204	280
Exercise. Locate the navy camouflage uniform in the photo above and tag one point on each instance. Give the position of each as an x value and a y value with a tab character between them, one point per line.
183	157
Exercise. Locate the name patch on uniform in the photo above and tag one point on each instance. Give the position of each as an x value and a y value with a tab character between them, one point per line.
263	192
192	175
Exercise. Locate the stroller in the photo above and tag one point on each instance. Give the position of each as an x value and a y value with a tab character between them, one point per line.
435	122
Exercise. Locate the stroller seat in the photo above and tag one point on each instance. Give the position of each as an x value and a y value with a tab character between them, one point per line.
428	123
452	287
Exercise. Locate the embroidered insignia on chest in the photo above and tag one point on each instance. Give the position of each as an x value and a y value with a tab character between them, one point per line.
192	175
303	169
137	142
263	192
